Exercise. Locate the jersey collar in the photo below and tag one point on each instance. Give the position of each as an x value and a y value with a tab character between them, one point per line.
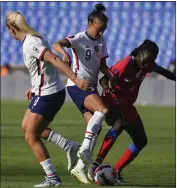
89	36
23	40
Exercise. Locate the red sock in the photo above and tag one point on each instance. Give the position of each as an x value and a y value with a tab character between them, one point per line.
106	146
127	157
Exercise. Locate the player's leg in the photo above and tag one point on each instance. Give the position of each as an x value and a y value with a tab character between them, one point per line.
70	147
88	101
33	129
93	103
42	111
115	120
79	170
136	131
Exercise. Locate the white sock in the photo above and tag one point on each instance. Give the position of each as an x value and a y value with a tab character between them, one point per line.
48	167
80	164
59	140
93	128
94	142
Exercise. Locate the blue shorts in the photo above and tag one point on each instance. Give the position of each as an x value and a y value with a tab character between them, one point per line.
78	96
47	105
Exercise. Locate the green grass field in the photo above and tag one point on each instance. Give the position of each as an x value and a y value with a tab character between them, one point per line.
154	167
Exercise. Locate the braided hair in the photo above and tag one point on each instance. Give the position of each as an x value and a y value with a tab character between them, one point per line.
147	50
147	46
98	12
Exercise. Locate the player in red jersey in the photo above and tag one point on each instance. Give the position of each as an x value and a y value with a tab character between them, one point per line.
120	98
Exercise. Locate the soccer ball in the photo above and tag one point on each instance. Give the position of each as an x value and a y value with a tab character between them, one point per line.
105	175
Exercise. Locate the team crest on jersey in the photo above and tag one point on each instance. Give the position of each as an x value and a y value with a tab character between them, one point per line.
96	48
115	72
36	50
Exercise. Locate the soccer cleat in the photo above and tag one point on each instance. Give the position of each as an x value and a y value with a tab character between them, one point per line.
80	175
72	154
50	182
91	171
120	179
85	155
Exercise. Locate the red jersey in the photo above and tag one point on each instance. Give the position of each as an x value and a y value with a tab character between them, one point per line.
130	79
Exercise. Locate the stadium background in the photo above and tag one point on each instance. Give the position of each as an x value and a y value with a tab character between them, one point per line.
129	24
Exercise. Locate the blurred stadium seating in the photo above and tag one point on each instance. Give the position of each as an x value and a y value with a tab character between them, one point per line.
129	24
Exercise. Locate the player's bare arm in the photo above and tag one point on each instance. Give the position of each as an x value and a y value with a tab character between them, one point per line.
104	82
59	47
58	63
164	72
104	68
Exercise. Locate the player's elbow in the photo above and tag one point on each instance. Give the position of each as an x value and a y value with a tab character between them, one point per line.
54	45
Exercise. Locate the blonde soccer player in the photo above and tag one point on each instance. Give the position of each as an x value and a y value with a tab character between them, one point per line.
48	98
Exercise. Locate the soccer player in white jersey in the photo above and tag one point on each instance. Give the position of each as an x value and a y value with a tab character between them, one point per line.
89	57
49	94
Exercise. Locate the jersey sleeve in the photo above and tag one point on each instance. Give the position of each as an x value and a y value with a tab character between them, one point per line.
105	51
36	50
119	68
74	40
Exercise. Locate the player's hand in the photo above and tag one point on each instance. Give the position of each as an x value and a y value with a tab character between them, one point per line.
67	59
106	91
82	84
113	81
29	94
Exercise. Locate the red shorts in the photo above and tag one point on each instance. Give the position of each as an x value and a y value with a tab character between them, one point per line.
120	110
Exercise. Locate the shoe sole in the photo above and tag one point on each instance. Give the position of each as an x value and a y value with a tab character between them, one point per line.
56	185
79	179
89	177
120	183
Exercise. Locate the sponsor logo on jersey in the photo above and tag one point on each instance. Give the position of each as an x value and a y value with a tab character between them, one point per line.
96	48
115	72
36	50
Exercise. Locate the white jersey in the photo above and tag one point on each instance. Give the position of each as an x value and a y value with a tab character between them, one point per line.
44	76
87	54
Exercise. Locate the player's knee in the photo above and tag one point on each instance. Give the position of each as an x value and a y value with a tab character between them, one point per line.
31	138
105	111
24	126
145	142
142	143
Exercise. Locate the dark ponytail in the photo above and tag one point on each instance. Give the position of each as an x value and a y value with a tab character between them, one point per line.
98	12
99	8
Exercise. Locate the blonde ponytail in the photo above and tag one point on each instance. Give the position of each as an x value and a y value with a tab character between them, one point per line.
17	20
